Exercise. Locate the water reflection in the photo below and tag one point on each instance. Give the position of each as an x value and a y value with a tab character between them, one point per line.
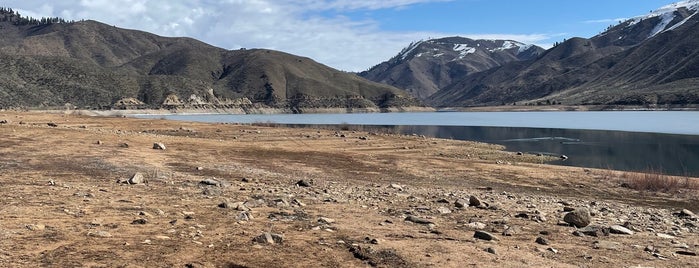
632	151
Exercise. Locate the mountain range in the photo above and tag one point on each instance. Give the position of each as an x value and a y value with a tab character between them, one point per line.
647	60
650	60
88	64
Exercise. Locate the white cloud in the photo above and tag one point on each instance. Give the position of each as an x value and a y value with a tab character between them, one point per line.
294	26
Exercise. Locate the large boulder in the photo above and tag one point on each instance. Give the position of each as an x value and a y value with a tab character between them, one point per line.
579	217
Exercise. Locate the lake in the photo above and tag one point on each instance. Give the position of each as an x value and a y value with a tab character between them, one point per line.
660	141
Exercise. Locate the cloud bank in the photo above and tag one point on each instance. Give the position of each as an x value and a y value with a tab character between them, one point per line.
312	28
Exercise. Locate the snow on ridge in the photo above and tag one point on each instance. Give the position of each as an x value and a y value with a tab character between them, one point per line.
406	51
524	48
667	15
464	49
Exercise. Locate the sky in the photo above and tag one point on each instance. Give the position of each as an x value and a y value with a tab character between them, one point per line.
350	35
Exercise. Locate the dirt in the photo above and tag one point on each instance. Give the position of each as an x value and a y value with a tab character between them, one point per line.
64	203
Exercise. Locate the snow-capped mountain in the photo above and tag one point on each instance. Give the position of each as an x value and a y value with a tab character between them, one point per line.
424	67
651	59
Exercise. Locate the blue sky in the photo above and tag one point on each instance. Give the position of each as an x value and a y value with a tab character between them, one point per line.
350	35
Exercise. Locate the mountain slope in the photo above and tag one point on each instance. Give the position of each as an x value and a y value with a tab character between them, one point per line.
425	67
646	60
90	64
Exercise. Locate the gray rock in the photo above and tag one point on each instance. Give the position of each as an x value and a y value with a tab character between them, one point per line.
303	183
137	179
606	245
139	221
618	229
686	253
269	238
210	182
417	220
686	213
443	210
485	236
579	217
158	146
325	220
542	241
491	251
474	201
461	203
593	230
244	216
476	226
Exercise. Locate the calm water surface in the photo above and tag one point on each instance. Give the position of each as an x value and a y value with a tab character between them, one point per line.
660	141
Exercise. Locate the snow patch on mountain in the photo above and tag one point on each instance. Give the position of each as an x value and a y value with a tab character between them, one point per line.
464	50
406	51
667	14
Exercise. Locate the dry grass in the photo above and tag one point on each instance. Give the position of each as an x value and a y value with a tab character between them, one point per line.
656	182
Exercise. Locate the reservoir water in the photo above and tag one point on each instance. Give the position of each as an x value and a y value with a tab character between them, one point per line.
666	142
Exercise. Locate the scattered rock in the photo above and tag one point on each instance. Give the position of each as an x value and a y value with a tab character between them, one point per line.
303	183
397	186
443	210
2	122
474	201
103	234
606	245
666	236
52	124
555	251
686	213
485	236
542	241
324	220
595	231
139	221
36	227
268	238
98	142
211	182
491	251
417	220
476	226
618	229
579	217
461	203
124	145
137	179
244	216
686	253
158	146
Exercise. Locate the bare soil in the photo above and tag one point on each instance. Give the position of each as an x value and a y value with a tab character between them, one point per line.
64	203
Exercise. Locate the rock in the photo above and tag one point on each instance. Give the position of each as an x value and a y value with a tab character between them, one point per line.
303	183
563	157
650	249
324	220
595	231
2	122
297	202
103	234
686	213
137	179
476	226
211	182
36	227
474	201
666	236
579	217
244	216
491	251
484	236
98	142
139	221
605	245
555	251
124	145
542	241
461	203
162	237
443	210
158	146
268	238
618	229
417	220
396	186
52	124
686	253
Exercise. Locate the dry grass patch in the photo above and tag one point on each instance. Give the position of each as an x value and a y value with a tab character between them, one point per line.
657	182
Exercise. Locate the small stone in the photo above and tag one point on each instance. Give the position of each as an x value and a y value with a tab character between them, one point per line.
686	253
618	229
99	142
124	145
476	225
139	221
666	236
650	249
324	220
297	202
579	217
158	146
686	213
397	186
595	231
555	251
36	227
162	237
303	183
210	182
137	179
484	236
461	203
417	220
491	251
52	124
542	241
443	210
103	234
200	168
244	216
606	245
269	238
474	201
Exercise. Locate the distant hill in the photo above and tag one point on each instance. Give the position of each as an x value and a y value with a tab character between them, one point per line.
425	67
51	62
647	60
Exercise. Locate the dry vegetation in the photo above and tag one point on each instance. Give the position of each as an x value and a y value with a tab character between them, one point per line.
61	204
